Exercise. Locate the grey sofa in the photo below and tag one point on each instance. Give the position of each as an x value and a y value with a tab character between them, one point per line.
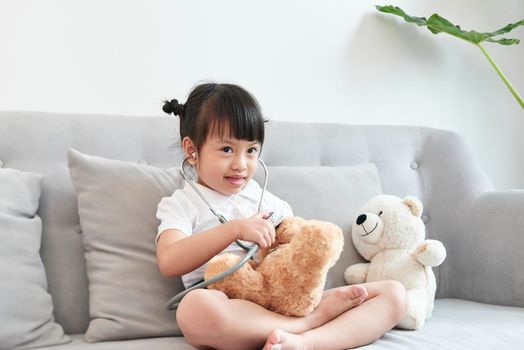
480	295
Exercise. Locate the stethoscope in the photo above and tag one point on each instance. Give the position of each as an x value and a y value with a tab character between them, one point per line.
251	250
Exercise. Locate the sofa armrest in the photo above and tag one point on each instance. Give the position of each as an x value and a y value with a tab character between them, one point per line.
488	259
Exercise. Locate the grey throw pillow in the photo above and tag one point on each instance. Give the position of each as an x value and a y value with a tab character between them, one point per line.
117	203
26	308
331	194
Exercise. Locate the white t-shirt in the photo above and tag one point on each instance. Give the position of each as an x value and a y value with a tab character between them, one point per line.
185	211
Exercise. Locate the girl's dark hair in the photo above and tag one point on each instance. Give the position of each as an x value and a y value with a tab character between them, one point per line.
211	107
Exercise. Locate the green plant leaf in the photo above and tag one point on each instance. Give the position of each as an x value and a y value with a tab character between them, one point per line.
421	21
504	41
438	24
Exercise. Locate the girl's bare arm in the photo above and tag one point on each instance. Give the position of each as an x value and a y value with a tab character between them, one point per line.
178	254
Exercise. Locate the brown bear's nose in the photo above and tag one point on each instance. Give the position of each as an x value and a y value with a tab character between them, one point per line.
361	218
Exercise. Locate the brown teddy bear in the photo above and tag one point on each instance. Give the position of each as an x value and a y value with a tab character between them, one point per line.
291	275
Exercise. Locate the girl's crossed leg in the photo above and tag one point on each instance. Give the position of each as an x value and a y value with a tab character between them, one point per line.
209	319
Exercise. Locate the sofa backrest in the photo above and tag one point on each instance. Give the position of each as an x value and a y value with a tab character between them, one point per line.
433	165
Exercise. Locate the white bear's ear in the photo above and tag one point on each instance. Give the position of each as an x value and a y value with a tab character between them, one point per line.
414	205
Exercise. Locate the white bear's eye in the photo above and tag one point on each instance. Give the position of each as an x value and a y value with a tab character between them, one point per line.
380	213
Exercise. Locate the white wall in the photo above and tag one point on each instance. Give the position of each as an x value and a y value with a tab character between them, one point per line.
329	61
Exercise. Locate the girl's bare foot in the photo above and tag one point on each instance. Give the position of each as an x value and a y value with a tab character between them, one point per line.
280	340
335	303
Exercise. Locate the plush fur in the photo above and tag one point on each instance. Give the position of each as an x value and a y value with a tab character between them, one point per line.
290	278
389	232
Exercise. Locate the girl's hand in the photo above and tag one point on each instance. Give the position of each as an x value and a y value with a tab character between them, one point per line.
256	229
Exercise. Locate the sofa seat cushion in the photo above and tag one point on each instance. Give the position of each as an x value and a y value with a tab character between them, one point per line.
162	343
461	325
455	325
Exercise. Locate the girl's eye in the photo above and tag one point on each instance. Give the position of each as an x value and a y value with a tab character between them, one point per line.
227	149
252	150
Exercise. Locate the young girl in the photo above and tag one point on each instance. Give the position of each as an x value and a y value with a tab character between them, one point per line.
222	132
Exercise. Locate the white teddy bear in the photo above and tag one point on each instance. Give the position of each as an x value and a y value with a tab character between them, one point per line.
389	232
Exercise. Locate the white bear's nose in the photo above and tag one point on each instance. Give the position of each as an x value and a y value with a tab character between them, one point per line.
361	218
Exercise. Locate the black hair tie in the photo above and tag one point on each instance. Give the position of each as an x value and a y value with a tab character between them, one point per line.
173	107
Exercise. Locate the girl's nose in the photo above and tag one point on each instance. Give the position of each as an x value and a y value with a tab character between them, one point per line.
239	163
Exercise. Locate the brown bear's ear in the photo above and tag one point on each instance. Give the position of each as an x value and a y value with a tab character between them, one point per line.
414	205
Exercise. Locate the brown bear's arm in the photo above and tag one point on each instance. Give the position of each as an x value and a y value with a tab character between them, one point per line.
287	229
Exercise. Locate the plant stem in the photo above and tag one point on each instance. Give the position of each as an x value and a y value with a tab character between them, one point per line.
499	72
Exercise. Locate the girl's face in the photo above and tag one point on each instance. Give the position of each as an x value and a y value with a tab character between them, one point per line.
226	164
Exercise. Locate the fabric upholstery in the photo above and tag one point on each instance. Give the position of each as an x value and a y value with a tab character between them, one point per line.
460	325
117	202
455	325
26	308
433	165
161	343
38	142
495	250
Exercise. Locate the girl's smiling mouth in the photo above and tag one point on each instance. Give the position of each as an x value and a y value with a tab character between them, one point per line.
236	180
